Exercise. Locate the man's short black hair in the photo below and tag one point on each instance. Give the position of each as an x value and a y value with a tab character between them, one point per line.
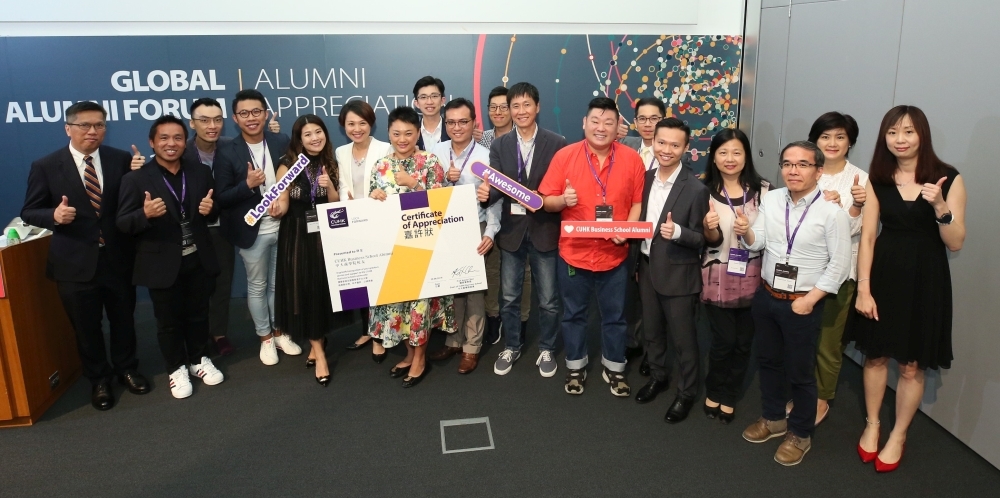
497	91
249	94
428	81
84	106
461	102
204	101
405	114
521	89
167	119
653	102
604	104
674	124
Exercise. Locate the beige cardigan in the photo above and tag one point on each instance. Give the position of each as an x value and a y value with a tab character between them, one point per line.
345	160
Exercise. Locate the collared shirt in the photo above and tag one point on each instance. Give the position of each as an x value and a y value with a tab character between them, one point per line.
822	249
658	193
431	137
624	181
488	137
475	153
646	153
842	183
81	165
527	150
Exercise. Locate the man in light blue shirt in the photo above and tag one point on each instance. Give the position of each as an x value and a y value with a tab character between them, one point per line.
457	155
806	244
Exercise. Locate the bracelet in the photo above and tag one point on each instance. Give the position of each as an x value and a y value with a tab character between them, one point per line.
859	206
863	279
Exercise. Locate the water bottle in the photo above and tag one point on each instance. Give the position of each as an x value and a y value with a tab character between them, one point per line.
13	237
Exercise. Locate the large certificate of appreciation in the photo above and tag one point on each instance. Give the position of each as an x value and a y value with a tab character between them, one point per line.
414	245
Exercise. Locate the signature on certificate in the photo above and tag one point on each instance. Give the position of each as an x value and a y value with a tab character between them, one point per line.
462	270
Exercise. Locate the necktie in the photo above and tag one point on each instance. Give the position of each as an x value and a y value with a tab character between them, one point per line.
93	186
647	156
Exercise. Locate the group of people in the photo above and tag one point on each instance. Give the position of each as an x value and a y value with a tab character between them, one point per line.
836	255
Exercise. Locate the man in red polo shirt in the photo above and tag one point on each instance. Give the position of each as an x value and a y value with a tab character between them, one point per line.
596	179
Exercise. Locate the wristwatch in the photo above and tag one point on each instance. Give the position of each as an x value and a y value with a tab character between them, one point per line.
945	219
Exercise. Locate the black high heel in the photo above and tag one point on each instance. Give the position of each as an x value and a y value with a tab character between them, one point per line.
726	418
397	372
324	380
712	411
354	346
379	358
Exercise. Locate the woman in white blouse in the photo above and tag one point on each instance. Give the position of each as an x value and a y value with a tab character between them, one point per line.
835	133
356	160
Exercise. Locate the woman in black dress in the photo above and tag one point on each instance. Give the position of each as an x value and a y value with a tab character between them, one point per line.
904	284
302	295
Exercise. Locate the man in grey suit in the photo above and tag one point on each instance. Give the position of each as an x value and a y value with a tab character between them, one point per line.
675	201
524	156
206	121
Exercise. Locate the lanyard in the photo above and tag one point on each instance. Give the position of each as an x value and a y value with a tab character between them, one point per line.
604	186
451	156
521	161
744	201
313	185
791	238
651	161
183	192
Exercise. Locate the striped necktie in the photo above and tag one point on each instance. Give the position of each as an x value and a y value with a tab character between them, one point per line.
93	186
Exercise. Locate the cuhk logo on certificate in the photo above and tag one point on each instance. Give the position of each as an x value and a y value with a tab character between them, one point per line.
337	217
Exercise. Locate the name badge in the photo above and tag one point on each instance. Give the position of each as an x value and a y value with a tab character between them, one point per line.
604	212
187	237
784	277
738	259
517	209
312	221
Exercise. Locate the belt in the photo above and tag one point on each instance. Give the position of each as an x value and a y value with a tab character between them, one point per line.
784	296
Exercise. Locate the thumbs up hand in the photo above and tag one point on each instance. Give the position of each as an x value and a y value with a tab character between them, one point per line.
483	192
667	227
569	195
932	193
137	158
477	132
154	208
858	193
742	224
273	124
832	196
205	206
622	127
64	213
711	217
255	177
453	173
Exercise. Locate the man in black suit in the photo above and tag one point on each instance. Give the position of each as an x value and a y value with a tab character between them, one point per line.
244	170
74	193
675	201
167	205
524	236
206	122
428	98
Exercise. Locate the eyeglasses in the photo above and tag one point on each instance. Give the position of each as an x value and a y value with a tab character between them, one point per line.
789	165
252	112
216	120
424	98
461	123
501	108
87	126
650	120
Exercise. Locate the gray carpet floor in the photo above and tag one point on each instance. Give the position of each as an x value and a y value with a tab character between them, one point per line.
272	431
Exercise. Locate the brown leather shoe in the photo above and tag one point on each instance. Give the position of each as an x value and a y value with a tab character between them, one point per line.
792	450
444	353
764	429
468	363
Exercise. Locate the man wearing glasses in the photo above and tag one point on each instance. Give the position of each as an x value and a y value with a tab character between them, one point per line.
807	254
458	155
428	95
206	122
74	193
244	169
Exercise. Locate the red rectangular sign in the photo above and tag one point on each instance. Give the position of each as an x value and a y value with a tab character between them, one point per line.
608	229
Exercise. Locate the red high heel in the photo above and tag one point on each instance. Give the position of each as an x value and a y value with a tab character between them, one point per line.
883	467
868	456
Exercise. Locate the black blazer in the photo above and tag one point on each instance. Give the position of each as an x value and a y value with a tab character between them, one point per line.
74	248
542	225
444	136
158	240
191	150
233	195
675	265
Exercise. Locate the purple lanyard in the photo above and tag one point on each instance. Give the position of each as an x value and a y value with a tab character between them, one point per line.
604	186
521	161
451	156
744	201
183	192
791	238
313	185
651	161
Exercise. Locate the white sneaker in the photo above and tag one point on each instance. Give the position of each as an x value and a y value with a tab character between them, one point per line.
268	353
287	345
180	383
207	372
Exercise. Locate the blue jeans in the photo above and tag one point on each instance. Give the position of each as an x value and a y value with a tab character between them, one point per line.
577	291
543	281
261	260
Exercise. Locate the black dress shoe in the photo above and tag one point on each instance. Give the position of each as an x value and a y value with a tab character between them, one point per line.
410	381
134	381
726	418
644	367
354	346
379	358
397	372
649	391
678	410
712	411
632	353
101	396
324	380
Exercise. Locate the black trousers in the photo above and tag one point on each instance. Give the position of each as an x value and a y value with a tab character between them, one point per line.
732	338
181	312
669	318
218	307
786	351
633	302
85	304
